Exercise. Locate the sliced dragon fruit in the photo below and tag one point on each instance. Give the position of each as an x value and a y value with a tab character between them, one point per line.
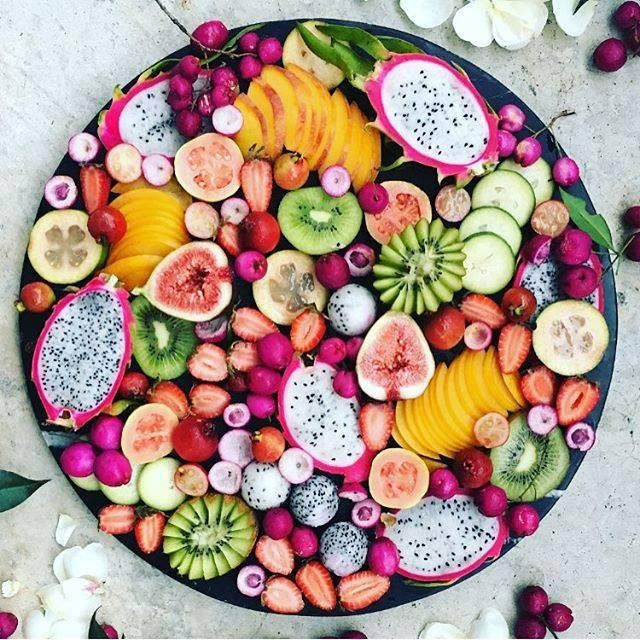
82	353
322	423
543	280
443	540
142	117
433	111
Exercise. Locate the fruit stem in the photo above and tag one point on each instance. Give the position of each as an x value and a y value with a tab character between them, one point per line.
549	126
173	19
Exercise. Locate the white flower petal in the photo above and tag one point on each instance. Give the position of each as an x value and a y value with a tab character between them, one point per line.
59	569
10	588
573	24
66	526
489	625
69	629
76	562
436	630
73	599
532	14
427	14
36	625
472	23
509	31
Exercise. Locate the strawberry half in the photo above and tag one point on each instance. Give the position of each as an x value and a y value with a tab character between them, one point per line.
228	237
256	180
376	422
307	331
275	555
539	385
250	324
148	531
243	356
95	184
116	519
477	307
208	400
171	395
577	398
514	345
209	363
317	586
282	596
359	590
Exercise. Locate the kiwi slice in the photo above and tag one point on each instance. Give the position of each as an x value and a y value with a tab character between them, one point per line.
209	536
527	466
316	223
420	268
161	343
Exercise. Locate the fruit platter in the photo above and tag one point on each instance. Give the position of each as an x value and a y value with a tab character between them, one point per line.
315	317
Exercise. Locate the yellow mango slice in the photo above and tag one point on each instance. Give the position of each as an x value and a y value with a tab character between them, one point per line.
251	135
439	438
353	153
279	114
479	386
326	123
172	188
403	423
307	116
143	243
294	117
258	95
496	383
462	387
512	380
371	158
419	424
135	271
148	197
340	130
144	219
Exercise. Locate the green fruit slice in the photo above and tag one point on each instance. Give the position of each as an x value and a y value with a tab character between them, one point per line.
156	485
126	493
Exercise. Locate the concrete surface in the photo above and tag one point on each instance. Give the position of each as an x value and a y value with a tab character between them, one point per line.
60	61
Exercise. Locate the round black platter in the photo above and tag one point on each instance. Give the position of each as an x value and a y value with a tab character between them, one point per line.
496	94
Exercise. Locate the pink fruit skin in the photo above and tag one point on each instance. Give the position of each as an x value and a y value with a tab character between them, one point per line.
491	501
512	118
110	631
610	55
558	617
523	520
345	384
580	436
366	513
443	484
112	468
275	351
270	50
304	541
533	600
353	491
263	381
353	347
78	459
530	627
261	406
106	432
506	143
373	88
249	67
579	281
251	266
332	271
383	557
572	247
277	523
373	198
332	351
80	418
542	419
249	42
211	35
8	624
537	249
527	151
566	172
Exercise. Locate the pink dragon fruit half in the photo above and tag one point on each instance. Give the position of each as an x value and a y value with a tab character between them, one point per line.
433	111
82	353
322	423
440	541
142	117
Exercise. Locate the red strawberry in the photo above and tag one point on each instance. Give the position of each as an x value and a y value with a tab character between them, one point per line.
116	519
208	362
148	531
208	400
228	238
376	422
317	586
282	596
477	307
249	324
514	345
539	385
243	356
256	179
307	331
95	184
171	395
359	590
275	555
260	231
577	398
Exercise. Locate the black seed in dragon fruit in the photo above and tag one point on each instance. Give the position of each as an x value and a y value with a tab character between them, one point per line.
263	486
343	548
315	502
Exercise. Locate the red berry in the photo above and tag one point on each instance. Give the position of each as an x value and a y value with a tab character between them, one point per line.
610	55
180	86
558	617
107	224
530	627
195	440
627	15
632	217
188	123
268	444
211	35
134	386
189	67
36	297
472	468
533	600
249	42
260	231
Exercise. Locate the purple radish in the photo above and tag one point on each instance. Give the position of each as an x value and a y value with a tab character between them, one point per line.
506	143
566	171
366	513
580	436
124	162
538	249
579	281
77	459
60	192
304	541
512	118
251	266
212	330
360	258
527	152
478	336
251	580
275	350
573	247
373	198
112	468
270	50
249	42
542	419
201	220
353	491
249	67
353	347
443	484
332	351
295	465
332	271
261	406
235	446
157	169
83	147
345	384
383	557
227	120
234	210
236	415
106	432
277	523
263	381
491	501
335	181
225	477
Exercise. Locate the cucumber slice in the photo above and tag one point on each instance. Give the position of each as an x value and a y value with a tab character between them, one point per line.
493	220
156	485
538	174
507	190
126	493
490	264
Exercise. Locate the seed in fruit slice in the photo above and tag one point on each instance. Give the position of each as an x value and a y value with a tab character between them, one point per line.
550	218
61	249
157	487
492	430
191	479
146	435
571	337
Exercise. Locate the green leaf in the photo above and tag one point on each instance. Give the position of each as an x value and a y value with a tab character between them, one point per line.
357	37
15	489
322	49
592	223
397	45
95	628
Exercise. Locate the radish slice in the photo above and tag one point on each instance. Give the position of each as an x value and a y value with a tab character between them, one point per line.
124	163
60	192
295	465
225	477
580	436
236	415
157	169
83	147
335	181
542	419
202	220
251	580
234	210
227	120
477	336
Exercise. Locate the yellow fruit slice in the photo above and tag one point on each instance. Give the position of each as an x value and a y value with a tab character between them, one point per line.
135	271
306	115
449	402
512	380
431	463
258	95
438	436
403	421
145	221
149	197
340	129
279	115
172	188
353	153
495	381
143	243
419	424
251	135
276	78
370	162
479	384
460	387
326	124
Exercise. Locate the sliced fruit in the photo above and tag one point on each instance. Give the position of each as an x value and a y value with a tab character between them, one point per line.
539	385
308	91
278	81
476	307
537	174
256	179
208	400
461	385
144	244
157	487
172	188
339	130
259	97
360	590
306	116
307	330
489	263
493	220
148	531
479	385
116	519
495	382
243	356
491	430
275	556
577	398
514	345
250	138
506	190
409	429
147	433
512	380
147	196
135	271
282	595
376	422
316	585
250	324
326	124
434	430
171	395
371	158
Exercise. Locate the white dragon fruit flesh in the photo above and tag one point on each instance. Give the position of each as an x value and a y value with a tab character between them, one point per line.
351	310
263	486
343	548
314	502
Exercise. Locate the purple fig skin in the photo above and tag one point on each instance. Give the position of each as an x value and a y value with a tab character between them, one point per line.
578	282
558	617
530	627
573	247
533	600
